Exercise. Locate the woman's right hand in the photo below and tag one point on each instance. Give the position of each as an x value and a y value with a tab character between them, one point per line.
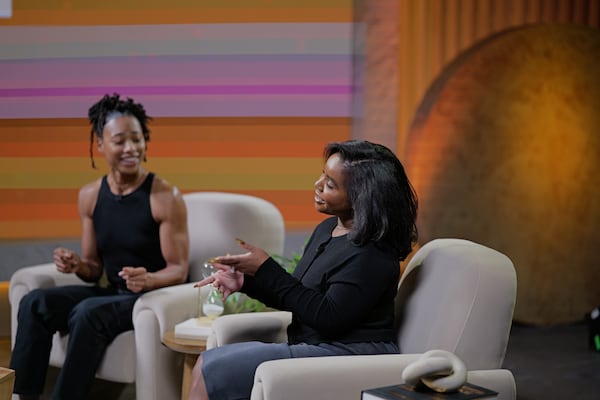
67	261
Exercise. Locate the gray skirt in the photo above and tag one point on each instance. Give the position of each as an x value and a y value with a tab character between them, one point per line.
229	370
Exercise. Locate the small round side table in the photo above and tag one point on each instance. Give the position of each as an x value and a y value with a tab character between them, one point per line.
191	348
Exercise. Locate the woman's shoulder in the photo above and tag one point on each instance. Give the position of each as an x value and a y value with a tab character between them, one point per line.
162	187
91	189
88	195
93	186
165	197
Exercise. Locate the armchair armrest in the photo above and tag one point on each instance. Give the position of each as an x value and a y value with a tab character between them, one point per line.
26	279
169	305
41	276
344	377
267	326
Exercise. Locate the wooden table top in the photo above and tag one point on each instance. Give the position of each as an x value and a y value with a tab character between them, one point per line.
183	345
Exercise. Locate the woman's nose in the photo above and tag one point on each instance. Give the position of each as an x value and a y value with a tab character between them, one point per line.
129	146
319	184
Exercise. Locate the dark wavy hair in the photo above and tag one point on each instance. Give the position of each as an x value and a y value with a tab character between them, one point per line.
109	106
384	203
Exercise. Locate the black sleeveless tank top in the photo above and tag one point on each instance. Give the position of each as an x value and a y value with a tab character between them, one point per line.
126	232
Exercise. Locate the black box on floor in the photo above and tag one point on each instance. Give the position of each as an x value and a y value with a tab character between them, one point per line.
593	321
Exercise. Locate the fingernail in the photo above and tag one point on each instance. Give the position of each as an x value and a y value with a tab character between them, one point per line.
240	241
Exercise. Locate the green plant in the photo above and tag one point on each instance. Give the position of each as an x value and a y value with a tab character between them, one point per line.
240	303
289	264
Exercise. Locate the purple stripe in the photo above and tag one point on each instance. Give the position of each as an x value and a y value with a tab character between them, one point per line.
189	58
179	90
186	106
168	71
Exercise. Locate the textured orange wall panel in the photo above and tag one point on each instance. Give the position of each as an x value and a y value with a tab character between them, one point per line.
505	150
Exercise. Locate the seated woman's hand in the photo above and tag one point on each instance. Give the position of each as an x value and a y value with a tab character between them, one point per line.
67	261
247	263
226	280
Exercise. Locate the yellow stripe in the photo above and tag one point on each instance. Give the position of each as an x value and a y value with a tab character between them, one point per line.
186	173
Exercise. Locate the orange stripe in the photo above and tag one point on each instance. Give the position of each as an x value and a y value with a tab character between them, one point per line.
56	130
174	149
183	137
237	149
196	15
19	212
184	129
37	196
44	149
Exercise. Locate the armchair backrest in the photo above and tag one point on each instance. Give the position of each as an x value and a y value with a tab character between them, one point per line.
216	219
459	296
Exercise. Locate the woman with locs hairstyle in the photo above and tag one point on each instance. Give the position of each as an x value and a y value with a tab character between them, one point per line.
134	230
341	294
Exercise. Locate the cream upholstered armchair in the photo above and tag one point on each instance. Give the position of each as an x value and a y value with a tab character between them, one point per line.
454	295
214	221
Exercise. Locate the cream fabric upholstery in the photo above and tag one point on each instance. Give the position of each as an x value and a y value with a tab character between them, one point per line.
214	221
455	295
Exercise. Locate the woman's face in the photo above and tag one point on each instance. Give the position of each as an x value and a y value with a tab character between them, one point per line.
123	144
330	195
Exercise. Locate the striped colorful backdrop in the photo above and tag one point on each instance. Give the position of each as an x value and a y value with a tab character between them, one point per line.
244	97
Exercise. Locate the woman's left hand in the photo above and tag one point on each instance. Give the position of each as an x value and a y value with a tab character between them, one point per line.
247	263
226	280
135	278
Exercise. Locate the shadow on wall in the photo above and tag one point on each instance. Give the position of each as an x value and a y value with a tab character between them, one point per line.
505	150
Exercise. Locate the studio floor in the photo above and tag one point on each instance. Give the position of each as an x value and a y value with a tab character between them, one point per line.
553	363
548	363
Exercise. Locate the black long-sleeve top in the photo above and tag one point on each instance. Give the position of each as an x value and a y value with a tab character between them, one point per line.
338	291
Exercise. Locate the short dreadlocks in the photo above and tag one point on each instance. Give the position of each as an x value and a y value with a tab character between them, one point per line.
109	107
